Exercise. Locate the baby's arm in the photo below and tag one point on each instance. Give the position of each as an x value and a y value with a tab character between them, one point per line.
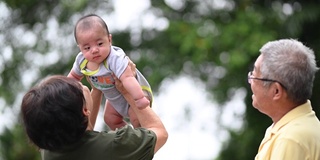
96	101
131	84
73	75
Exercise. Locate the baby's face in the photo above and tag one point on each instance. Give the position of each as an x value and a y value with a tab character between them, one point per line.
94	43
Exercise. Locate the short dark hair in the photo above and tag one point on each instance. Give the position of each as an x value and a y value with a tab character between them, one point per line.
52	112
87	21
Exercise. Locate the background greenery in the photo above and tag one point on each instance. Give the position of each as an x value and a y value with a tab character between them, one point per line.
215	42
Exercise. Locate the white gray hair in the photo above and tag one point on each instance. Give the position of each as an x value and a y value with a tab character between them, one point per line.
291	63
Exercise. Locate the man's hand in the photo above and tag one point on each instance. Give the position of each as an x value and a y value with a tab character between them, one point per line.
118	83
132	67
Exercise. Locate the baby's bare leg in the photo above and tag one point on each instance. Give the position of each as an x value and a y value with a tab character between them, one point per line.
133	118
112	118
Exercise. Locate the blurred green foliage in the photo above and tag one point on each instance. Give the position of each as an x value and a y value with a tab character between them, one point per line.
215	43
15	146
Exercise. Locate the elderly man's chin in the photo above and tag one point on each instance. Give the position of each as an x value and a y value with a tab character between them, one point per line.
253	101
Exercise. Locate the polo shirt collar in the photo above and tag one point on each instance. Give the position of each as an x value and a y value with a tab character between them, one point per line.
293	114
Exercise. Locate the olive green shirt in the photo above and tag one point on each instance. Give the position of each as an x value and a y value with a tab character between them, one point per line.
123	144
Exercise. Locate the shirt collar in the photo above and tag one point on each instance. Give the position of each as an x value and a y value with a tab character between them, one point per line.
294	113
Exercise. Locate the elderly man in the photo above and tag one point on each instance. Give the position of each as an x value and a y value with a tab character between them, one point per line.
281	82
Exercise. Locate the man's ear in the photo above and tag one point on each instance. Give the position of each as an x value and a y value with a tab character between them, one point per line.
278	91
85	111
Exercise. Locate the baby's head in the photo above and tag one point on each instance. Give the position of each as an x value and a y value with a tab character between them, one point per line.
93	38
88	22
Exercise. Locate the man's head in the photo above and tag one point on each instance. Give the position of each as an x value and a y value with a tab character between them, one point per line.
291	63
52	112
283	73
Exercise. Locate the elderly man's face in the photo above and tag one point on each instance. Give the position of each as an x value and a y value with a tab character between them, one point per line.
260	96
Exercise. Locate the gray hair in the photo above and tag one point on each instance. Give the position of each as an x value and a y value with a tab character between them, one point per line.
291	63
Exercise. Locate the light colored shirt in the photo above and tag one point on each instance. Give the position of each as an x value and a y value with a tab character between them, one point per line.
295	137
103	80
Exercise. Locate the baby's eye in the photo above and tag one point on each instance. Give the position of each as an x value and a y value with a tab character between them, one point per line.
86	48
100	44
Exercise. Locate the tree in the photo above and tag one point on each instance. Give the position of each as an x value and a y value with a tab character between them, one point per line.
14	145
216	43
36	41
220	45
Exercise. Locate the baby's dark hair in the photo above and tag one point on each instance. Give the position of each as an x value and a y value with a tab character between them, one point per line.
87	21
52	113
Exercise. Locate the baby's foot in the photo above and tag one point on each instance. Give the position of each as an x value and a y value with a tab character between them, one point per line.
142	103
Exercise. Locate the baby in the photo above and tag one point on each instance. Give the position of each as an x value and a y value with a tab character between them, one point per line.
99	60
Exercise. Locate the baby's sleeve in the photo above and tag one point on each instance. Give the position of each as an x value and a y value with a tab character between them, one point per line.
76	65
117	62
